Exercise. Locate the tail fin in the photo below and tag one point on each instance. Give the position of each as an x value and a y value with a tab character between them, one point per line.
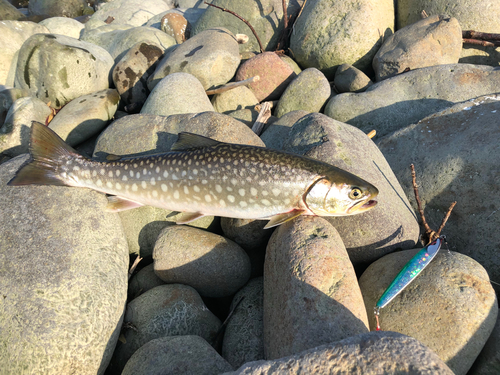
49	154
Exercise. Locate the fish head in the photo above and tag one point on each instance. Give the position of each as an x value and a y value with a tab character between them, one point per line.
347	195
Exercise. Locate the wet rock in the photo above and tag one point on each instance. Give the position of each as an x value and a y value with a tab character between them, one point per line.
435	40
7	98
460	163
388	352
182	91
176	355
63	26
350	79
143	281
275	75
211	264
243	337
55	8
131	73
85	116
487	363
15	132
176	26
211	56
265	16
450	307
407	98
392	223
8	12
58	69
352	35
307	270
67	279
275	134
166	310
13	34
309	91
238	98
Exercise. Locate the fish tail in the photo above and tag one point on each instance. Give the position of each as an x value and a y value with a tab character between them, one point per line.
49	154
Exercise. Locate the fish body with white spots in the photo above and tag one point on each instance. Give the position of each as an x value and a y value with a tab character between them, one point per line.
201	176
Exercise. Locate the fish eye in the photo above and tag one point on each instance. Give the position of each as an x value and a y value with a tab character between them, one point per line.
355	193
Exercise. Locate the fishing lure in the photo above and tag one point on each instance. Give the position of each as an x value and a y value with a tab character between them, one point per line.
409	272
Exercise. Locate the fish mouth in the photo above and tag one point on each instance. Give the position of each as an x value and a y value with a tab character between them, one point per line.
362	206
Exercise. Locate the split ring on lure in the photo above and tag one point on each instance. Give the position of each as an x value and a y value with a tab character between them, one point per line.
409	272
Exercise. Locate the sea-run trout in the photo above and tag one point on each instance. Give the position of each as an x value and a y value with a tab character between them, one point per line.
201	176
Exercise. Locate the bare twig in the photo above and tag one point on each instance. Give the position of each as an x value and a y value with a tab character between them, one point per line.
483	43
424	14
298	15
445	219
471	34
134	266
242	19
285	17
232	85
264	114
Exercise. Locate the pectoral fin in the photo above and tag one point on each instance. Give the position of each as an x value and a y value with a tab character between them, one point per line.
187	217
282	218
117	204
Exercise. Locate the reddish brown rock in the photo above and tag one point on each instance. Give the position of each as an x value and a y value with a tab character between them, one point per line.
177	26
275	75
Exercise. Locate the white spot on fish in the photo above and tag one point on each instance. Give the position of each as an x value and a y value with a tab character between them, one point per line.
94	173
151	165
183	173
204	182
234	181
165	174
155	194
222	203
117	173
265	202
144	171
243	204
126	167
164	187
134	187
76	168
276	192
296	192
124	178
109	184
186	190
110	174
138	175
157	169
262	182
144	184
174	177
208	198
197	197
253	191
229	188
287	201
242	192
230	198
135	165
131	173
118	186
195	171
103	171
265	193
152	181
98	183
196	189
176	194
218	188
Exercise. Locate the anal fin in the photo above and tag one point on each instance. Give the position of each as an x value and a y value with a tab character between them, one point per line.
117	204
187	217
283	218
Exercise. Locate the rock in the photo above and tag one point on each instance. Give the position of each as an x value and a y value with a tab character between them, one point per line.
143	281
183	93
450	307
350	79
8	12
211	264
243	338
435	40
7	98
13	34
469	18
274	135
166	310
265	16
58	69
55	8
211	56
308	92
291	63
370	353
130	12
275	75
176	355
176	26
63	26
353	33
15	132
85	116
488	362
232	100
307	269
402	100
131	73
459	169
389	226
190	14
63	279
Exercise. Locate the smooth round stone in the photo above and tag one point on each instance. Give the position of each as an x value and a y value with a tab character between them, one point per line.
387	352
274	135
450	307
85	116
7	98
176	355
13	34
176	26
211	264
63	278
311	294
350	79
143	281
182	91
15	131
63	26
249	116
58	69
189	13
211	56
56	8
309	92
235	99
166	310
243	337
9	12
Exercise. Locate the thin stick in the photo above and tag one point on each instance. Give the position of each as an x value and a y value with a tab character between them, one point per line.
428	231
232	85
372	134
264	114
300	12
134	266
445	219
285	16
471	34
483	43
241	18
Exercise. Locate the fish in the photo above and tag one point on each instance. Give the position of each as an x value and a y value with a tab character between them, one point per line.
201	176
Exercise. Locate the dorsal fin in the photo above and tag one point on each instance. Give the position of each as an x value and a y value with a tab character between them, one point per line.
186	141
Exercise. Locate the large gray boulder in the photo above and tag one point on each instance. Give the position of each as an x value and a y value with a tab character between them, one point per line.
63	278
